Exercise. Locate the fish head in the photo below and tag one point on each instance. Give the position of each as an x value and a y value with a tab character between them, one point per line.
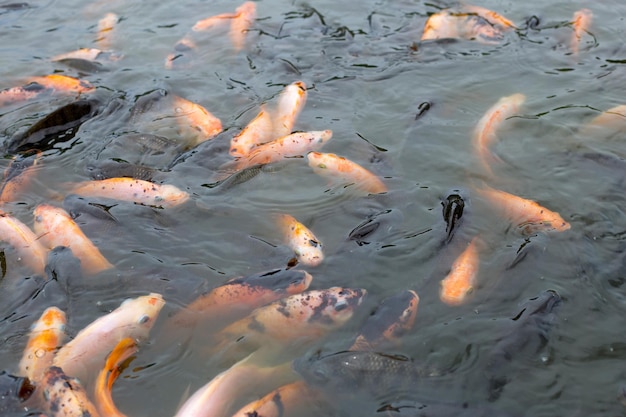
336	305
141	313
172	195
52	318
542	304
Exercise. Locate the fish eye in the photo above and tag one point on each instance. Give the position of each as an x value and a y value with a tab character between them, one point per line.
143	319
314	243
323	166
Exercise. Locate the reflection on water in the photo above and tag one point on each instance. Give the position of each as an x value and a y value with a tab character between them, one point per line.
403	108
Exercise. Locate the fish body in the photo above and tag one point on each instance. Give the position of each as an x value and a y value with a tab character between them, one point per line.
133	190
241	23
55	227
613	119
290	104
106	25
18	176
470	26
307	315
64	396
307	247
491	16
46	336
393	317
343	170
107	376
87	54
485	132
289	399
27	245
459	283
239	296
63	83
581	24
523	213
196	119
259	130
87	351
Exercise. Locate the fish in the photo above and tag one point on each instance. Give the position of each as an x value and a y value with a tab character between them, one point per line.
107	376
299	317
580	24
241	23
87	54
46	336
459	283
453	207
392	318
133	191
527	215
28	247
105	30
290	146
55	227
290	104
259	130
217	397
485	131
15	393
239	296
340	169
289	399
307	247
458	25
489	15
528	333
194	119
19	175
183	46
39	85
64	396
613	119
134	318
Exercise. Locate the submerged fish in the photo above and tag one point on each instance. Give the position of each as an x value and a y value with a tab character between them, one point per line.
240	23
612	120
27	245
340	169
307	247
471	23
106	25
86	352
55	227
581	25
46	336
459	283
18	176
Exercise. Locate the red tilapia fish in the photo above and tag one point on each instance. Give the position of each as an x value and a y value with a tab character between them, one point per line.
290	146
133	191
64	396
581	25
195	120
470	22
290	105
55	228
291	400
485	131
525	214
392	319
304	316
614	120
126	348
239	296
240	23
340	169
307	247
105	30
459	283
18	176
134	318
29	249
46	336
259	130
38	85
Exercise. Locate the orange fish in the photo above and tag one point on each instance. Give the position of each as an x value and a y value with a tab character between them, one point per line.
55	228
18	176
392	318
240	23
27	245
340	169
291	399
290	105
105	30
132	190
85	353
64	396
239	296
459	283
307	247
259	130
489	15
485	131
523	213
196	119
46	336
581	25
107	376
63	83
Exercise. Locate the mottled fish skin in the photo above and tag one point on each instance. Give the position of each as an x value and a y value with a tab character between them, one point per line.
528	334
290	399
307	247
64	396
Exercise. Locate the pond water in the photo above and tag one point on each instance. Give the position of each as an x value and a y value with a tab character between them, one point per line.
403	108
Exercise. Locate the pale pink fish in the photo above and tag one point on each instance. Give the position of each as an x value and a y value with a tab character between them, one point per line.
241	23
46	336
132	190
27	245
258	131
195	120
460	282
581	25
290	103
612	120
307	247
485	133
290	399
489	15
106	25
83	356
56	227
183	45
340	169
88	54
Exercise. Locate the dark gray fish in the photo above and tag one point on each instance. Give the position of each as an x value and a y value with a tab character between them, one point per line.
436	409
529	334
102	170
453	206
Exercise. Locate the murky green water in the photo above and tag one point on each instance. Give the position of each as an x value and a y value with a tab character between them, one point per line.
368	77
